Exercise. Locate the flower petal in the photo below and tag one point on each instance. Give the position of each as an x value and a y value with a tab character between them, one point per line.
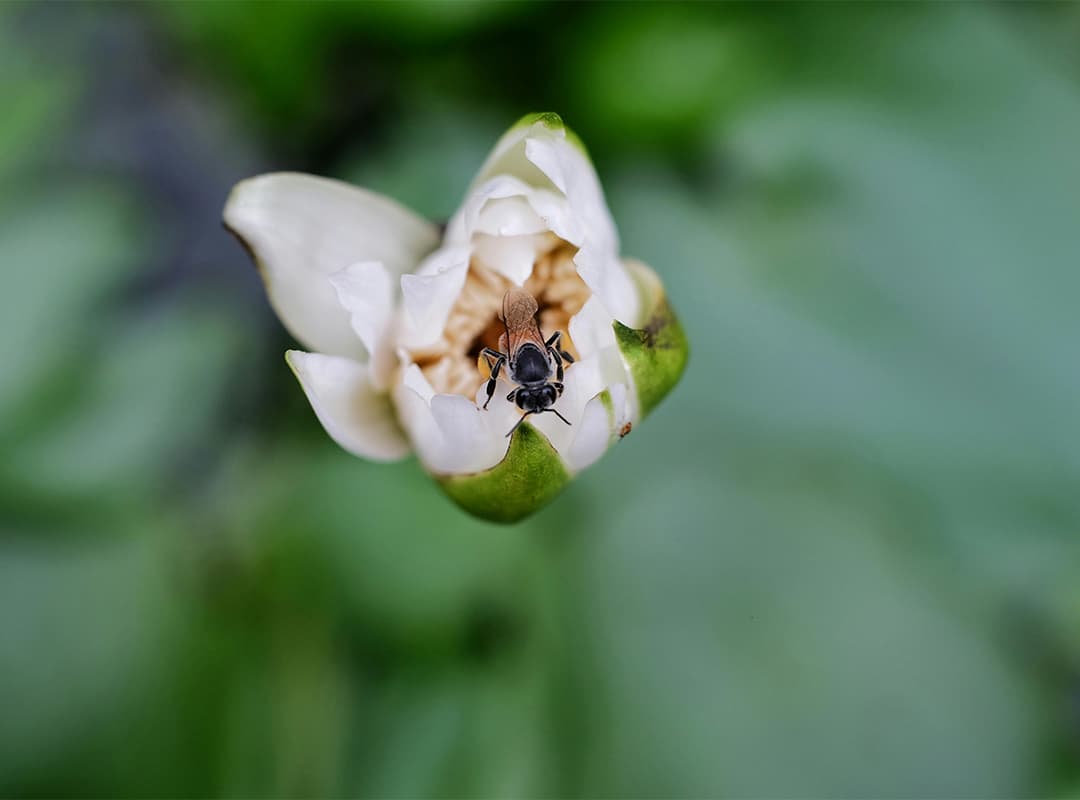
511	256
656	353
583	381
357	417
300	229
542	152
508	155
430	294
509	216
366	291
472	440
590	329
605	420
572	172
607	278
451	433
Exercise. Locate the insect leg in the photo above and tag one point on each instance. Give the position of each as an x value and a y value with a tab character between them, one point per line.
558	363
489	353
558	387
553	343
500	359
512	396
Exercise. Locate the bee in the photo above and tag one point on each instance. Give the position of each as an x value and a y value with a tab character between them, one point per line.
530	360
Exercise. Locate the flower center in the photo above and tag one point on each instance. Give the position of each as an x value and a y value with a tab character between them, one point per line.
451	364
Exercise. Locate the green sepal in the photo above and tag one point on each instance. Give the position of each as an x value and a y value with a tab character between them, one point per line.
657	352
529	476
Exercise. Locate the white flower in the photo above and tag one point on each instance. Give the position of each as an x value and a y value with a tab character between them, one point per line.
395	315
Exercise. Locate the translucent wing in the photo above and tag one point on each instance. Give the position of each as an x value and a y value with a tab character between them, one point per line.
519	314
519	308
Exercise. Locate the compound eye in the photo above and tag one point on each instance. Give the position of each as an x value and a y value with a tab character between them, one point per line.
519	399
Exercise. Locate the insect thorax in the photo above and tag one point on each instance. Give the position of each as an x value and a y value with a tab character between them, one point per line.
531	365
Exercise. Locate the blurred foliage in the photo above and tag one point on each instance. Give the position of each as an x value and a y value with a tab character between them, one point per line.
840	560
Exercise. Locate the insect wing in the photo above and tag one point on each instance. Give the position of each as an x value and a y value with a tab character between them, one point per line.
519	314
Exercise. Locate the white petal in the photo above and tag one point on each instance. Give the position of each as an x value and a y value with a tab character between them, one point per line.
366	291
472	440
583	381
600	425
508	158
609	281
507	205
511	256
509	216
451	434
542	155
430	294
506	223
301	229
357	417
414	380
591	328
572	172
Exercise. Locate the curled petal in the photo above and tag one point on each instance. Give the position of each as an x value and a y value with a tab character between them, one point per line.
511	256
366	291
513	216
570	170
541	153
508	156
610	282
429	294
301	229
591	328
452	434
583	381
471	438
605	420
507	222
356	416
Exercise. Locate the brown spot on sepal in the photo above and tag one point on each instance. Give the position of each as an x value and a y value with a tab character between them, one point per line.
650	333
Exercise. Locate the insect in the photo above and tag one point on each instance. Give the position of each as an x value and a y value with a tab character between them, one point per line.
531	362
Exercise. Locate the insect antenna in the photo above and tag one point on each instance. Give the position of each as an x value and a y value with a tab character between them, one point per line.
557	414
527	413
518	423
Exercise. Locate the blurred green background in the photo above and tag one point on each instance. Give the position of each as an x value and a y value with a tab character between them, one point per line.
841	559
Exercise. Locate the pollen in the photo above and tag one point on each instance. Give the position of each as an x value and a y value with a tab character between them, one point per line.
453	364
